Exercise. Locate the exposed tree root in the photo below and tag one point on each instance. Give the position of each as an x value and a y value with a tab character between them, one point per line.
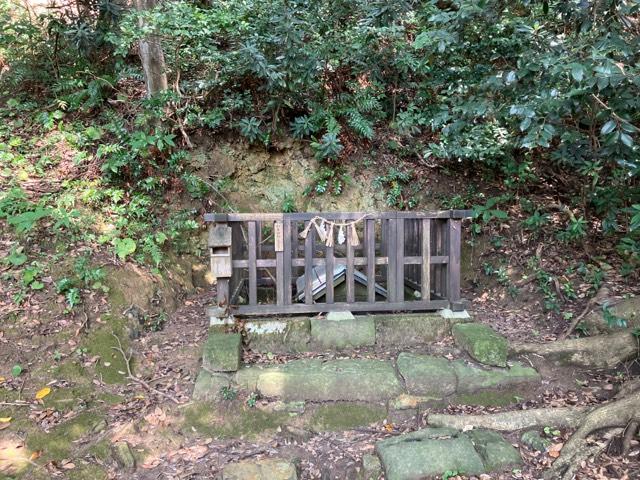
569	417
619	418
616	414
601	351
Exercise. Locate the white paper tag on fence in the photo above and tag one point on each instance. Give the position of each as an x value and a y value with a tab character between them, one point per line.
278	236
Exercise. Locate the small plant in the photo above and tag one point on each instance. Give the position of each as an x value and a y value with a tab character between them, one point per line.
252	400
450	474
575	230
536	221
551	432
228	393
582	329
486	213
288	204
400	192
327	180
612	319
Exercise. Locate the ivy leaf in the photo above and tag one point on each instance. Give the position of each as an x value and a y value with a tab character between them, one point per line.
16	370
577	72
608	127
124	247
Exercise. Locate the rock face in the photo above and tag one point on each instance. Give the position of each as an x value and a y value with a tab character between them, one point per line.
269	469
315	380
473	379
410	328
482	343
279	335
428	452
432	451
222	352
342	330
426	375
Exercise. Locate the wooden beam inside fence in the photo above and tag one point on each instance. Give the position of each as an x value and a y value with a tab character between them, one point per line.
425	282
252	263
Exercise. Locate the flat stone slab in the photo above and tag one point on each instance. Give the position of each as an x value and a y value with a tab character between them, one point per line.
343	332
268	469
317	380
473	379
277	336
410	328
209	385
222	352
433	451
497	454
428	452
426	375
482	343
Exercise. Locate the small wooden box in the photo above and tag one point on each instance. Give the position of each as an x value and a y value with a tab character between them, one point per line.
220	251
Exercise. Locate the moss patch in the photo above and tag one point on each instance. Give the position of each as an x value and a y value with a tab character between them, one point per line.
345	416
87	472
488	398
101	342
230	421
58	443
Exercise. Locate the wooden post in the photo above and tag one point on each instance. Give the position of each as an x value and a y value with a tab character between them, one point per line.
370	239
392	270
329	266
221	261
425	281
400	260
308	267
287	261
455	226
252	241
350	279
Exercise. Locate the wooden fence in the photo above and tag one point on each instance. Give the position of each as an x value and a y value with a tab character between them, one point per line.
392	261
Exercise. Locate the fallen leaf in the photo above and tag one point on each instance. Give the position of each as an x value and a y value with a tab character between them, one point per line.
2	379
5	419
43	392
554	450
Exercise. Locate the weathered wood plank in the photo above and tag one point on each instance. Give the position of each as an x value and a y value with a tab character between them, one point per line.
370	248
251	263
287	262
392	269
357	261
425	281
350	281
308	266
272	217
399	260
329	274
296	308
454	260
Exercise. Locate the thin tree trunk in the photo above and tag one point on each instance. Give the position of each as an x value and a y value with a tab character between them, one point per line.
152	56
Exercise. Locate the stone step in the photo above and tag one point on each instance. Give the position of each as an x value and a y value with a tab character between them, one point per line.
317	380
432	451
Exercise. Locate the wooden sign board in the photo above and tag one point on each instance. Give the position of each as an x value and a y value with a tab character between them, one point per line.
278	235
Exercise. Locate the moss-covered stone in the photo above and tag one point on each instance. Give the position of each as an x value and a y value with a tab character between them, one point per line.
230	421
346	416
497	454
209	385
535	441
472	379
488	398
427	375
345	333
279	335
87	471
317	380
410	328
482	343
267	469
428	452
222	352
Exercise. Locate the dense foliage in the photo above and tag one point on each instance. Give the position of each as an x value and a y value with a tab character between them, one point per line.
526	91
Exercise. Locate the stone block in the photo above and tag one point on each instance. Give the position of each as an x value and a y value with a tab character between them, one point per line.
497	454
410	328
209	385
267	469
222	352
339	316
371	467
292	335
472	378
535	441
426	375
317	380
428	452
342	334
482	343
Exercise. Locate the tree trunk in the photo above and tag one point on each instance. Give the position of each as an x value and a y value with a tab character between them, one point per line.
152	56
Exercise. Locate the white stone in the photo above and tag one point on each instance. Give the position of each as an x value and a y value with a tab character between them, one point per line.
263	328
216	321
448	313
338	316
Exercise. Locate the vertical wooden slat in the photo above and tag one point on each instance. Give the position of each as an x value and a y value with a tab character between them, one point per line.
308	266
454	260
444	269
392	271
280	286
329	274
350	280
400	260
287	261
252	244
370	242
426	260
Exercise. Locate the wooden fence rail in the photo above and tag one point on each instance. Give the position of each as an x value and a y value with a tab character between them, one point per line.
397	261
